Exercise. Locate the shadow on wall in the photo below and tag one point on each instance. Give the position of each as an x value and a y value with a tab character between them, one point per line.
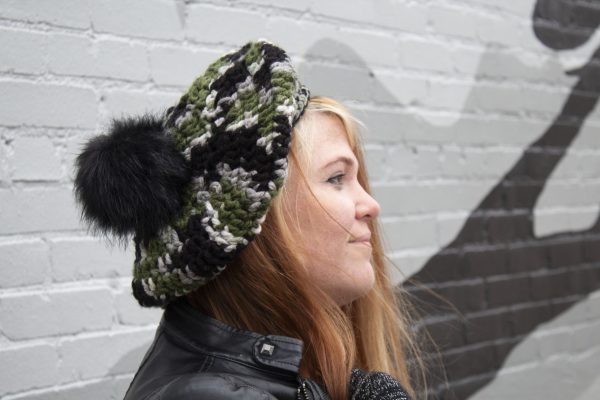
552	273
541	277
546	275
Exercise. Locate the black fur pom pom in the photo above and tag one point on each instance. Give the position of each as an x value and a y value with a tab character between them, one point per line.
132	180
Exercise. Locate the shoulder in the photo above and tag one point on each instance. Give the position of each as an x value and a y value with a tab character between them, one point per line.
214	386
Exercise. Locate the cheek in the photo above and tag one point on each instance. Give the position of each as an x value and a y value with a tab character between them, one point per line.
329	229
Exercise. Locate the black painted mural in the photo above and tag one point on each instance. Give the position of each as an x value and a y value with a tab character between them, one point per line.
496	279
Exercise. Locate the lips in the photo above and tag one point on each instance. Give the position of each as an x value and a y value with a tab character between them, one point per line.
365	238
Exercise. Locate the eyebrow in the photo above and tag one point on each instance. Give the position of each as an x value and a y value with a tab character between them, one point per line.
346	160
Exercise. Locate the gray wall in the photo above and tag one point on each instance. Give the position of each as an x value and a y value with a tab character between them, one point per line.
483	156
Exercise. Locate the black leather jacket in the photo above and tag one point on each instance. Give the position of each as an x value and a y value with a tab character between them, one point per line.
197	357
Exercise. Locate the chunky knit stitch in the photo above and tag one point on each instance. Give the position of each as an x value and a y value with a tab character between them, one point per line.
233	127
375	386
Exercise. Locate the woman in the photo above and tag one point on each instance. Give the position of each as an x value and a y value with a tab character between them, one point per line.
255	230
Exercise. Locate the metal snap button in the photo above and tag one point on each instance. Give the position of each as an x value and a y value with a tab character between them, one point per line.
267	349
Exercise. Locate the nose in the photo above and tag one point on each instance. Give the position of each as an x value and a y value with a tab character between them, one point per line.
367	206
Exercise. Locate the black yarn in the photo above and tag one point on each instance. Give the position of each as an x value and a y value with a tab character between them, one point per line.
375	386
131	180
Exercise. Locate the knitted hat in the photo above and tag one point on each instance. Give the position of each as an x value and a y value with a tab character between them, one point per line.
194	186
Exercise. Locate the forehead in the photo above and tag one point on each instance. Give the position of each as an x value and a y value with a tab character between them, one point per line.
329	140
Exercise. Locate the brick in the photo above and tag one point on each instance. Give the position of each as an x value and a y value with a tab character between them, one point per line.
447	96
521	194
410	232
447	334
37	209
529	256
554	343
286	4
465	362
36	104
129	312
487	261
55	313
311	39
546	285
570	310
489	162
473	232
127	349
517	352
593	306
507	291
466	297
24	262
23	51
70	13
463	389
518	8
386	126
449	226
585	337
75	55
122	60
425	56
5	153
525	319
71	54
236	26
430	302
566	254
375	163
302	37
468	61
362	52
157	19
406	264
587	164
584	280
120	102
391	15
333	80
179	66
509	228
17	376
580	220
477	130
81	258
497	98
110	388
489	327
427	162
413	198
431	128
452	21
35	158
500	31
402	162
444	266
397	89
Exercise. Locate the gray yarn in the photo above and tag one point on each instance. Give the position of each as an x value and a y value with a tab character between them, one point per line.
375	386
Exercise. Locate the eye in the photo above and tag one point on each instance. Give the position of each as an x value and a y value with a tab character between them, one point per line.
337	179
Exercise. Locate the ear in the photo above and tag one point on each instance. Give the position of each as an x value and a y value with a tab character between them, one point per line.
132	179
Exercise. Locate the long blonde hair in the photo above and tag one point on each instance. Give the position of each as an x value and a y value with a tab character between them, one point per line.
267	290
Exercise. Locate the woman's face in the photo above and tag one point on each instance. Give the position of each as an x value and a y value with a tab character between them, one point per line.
334	235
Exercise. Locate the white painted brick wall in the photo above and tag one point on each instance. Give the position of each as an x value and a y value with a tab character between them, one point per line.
450	92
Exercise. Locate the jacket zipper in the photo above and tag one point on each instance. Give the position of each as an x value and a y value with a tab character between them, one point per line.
302	392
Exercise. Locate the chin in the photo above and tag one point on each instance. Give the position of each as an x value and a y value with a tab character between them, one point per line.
357	292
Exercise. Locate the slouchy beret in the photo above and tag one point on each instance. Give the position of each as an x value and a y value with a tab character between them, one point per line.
194	185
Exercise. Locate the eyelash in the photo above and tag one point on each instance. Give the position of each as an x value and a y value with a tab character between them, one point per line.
336	177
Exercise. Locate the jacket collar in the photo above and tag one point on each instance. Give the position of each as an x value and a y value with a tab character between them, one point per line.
210	335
